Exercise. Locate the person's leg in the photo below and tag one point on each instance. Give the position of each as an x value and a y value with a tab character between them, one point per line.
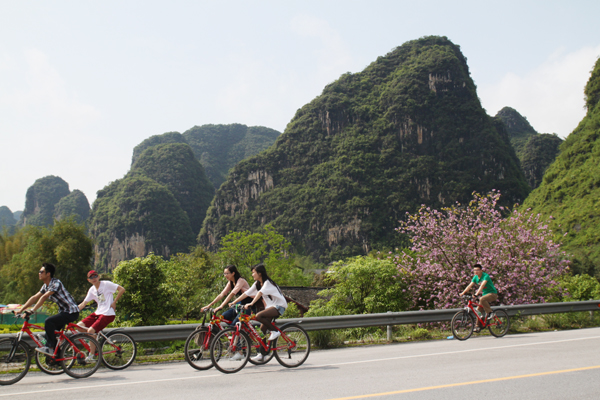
265	317
230	315
486	300
56	323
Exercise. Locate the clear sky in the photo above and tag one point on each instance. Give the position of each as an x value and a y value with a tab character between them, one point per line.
83	82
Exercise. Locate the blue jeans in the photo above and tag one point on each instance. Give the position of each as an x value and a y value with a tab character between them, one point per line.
232	315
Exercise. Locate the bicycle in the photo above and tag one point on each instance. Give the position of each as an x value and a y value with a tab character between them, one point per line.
463	322
72	353
291	348
197	345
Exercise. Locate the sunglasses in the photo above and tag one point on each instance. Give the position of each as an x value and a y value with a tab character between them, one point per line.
41	272
93	277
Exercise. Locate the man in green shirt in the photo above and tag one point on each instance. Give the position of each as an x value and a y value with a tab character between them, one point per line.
486	286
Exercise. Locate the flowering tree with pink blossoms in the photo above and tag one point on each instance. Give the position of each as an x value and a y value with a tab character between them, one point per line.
517	252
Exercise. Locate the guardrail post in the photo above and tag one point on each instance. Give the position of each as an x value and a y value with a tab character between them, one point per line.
389	331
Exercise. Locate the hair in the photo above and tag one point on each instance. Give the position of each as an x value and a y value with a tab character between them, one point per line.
477	266
49	268
260	269
236	275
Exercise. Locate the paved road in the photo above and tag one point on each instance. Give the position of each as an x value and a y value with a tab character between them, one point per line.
550	365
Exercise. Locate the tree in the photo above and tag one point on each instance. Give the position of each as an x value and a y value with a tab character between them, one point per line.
363	285
65	244
244	249
516	251
146	300
192	280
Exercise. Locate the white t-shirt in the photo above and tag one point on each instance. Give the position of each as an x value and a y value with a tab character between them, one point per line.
270	293
103	296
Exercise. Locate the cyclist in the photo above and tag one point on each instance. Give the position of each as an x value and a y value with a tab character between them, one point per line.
275	303
54	290
235	286
486	286
102	292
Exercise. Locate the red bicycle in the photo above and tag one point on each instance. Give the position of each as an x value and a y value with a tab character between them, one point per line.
197	345
463	322
231	349
73	354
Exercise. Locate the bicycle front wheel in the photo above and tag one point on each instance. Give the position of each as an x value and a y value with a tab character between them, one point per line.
81	356
14	361
48	364
462	325
118	350
230	350
499	324
293	346
197	349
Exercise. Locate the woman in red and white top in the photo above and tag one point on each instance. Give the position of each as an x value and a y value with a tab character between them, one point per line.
235	286
275	303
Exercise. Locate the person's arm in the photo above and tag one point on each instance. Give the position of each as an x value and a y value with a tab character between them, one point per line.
29	302
478	292
82	305
206	307
224	303
242	297
468	288
42	299
256	298
120	291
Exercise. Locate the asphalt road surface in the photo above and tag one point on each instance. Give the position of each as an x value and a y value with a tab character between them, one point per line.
550	365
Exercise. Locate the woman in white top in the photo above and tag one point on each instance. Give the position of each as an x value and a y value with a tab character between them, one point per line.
275	303
235	286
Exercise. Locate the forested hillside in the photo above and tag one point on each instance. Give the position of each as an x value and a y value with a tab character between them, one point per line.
535	151
157	207
570	190
217	147
407	130
49	198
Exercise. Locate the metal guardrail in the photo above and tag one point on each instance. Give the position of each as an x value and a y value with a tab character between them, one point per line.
181	332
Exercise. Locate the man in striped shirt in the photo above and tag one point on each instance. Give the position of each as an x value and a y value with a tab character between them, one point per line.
68	311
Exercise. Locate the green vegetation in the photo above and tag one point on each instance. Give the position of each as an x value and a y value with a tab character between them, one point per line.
245	249
135	216
74	204
218	147
535	151
570	190
64	244
175	167
41	199
7	218
407	130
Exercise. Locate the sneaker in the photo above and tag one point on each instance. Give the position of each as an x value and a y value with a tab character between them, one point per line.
477	329
237	357
258	358
45	350
90	358
490	316
274	335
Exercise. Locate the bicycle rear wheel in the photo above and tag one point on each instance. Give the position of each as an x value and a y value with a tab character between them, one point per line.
462	325
197	349
499	324
81	358
118	350
14	361
230	350
293	346
47	364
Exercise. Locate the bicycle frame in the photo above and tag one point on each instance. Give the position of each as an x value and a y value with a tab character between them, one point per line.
247	327
471	307
62	338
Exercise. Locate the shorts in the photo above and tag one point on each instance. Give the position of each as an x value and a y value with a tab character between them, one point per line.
280	309
98	322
